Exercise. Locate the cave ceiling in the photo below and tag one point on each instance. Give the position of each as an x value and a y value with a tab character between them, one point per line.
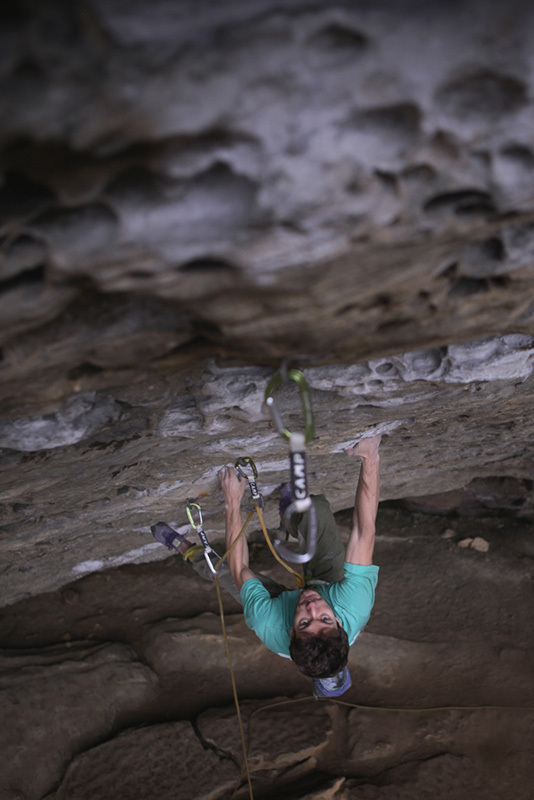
193	192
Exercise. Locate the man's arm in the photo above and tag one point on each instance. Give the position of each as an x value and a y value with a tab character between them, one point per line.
362	538
233	488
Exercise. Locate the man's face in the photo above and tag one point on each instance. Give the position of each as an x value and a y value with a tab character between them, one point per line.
313	615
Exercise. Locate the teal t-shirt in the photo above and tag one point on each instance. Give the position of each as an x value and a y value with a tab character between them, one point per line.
271	618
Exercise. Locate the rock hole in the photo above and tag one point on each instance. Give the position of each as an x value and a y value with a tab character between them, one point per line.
389	179
30	277
346	309
482	93
393	324
500	281
401	119
461	202
427	361
475	208
450	270
135	181
20	196
468	287
210	330
493	248
84	370
207	265
336	43
384	369
523	155
353	186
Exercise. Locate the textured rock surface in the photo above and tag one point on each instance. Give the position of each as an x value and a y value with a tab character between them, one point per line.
451	627
60	700
368	169
137	452
190	192
158	761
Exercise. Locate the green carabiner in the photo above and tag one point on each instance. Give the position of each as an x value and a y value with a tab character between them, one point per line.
190	505
242	462
305	398
255	495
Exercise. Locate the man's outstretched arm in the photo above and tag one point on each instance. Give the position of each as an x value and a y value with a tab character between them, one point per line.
233	488
362	538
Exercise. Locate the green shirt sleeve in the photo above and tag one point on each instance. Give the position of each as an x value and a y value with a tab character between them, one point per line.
269	617
353	597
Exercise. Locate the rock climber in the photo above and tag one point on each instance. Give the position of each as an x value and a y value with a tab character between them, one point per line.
315	626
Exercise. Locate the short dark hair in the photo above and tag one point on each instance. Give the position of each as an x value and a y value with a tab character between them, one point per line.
320	656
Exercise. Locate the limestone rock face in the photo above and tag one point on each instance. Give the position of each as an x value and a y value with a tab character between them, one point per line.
83	484
191	194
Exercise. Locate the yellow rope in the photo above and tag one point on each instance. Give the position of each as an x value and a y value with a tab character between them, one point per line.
301	583
234	689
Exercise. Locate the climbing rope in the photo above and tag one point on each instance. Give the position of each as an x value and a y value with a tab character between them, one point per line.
244	743
257	499
193	507
301	503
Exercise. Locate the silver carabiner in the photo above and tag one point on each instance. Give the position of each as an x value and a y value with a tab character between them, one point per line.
198	527
255	495
297	507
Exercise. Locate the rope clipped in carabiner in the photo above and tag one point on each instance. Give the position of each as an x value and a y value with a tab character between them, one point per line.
255	496
199	528
301	500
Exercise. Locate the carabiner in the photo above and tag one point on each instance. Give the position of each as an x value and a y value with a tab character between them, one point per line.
295	508
199	528
301	500
305	398
255	496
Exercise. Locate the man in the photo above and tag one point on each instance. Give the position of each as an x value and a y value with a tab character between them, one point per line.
314	626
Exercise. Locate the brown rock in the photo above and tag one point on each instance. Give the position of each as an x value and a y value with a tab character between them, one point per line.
465	542
61	700
165	761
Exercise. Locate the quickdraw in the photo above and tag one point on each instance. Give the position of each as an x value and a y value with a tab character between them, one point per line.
284	376
199	528
301	500
256	497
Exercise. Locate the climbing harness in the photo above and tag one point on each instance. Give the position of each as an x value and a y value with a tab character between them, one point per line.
301	500
256	497
199	528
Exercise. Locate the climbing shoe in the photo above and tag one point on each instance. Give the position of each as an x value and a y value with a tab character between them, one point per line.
166	535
